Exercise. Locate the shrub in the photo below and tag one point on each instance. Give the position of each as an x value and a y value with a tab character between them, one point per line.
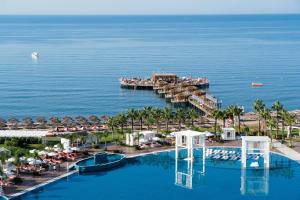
17	180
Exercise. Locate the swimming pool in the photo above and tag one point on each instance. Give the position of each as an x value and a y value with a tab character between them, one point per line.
160	176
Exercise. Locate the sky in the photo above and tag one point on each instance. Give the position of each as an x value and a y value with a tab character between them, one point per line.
146	7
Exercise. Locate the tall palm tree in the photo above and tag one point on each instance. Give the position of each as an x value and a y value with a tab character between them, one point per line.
192	115
265	114
271	123
141	114
224	115
157	115
216	114
238	111
112	123
290	120
132	115
122	120
168	115
283	114
258	105
180	116
230	113
277	107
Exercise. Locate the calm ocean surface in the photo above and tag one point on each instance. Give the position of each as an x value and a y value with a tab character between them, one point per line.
81	59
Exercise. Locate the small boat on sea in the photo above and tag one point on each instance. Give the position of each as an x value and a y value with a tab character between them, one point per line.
255	84
35	55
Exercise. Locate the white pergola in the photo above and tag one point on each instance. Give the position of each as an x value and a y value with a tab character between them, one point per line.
189	140
259	145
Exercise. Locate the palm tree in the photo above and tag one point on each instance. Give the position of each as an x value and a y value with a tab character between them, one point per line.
112	123
216	114
132	115
41	121
192	115
265	115
290	119
141	114
180	116
271	124
168	115
277	107
230	113
122	120
157	115
283	114
258	105
224	115
238	111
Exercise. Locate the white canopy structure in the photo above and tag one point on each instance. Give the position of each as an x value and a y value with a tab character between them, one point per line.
23	133
189	140
256	145
228	134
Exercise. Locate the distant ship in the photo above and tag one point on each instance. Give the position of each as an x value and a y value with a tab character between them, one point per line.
34	55
257	84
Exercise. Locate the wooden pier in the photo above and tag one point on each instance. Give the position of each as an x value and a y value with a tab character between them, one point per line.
177	90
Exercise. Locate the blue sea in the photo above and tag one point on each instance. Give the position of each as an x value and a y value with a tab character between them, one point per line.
82	58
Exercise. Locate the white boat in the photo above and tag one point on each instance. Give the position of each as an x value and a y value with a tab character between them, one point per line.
35	55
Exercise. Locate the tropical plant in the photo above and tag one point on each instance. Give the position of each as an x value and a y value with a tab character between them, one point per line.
216	114
238	111
277	107
132	115
265	115
180	116
230	113
122	120
224	115
290	120
258	105
168	115
157	115
271	123
141	114
192	114
283	114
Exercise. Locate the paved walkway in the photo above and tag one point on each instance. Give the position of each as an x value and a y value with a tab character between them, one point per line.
282	148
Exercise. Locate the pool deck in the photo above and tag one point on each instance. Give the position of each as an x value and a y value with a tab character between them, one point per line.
288	152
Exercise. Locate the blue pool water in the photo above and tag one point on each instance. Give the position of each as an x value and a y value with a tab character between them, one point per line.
154	177
82	57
